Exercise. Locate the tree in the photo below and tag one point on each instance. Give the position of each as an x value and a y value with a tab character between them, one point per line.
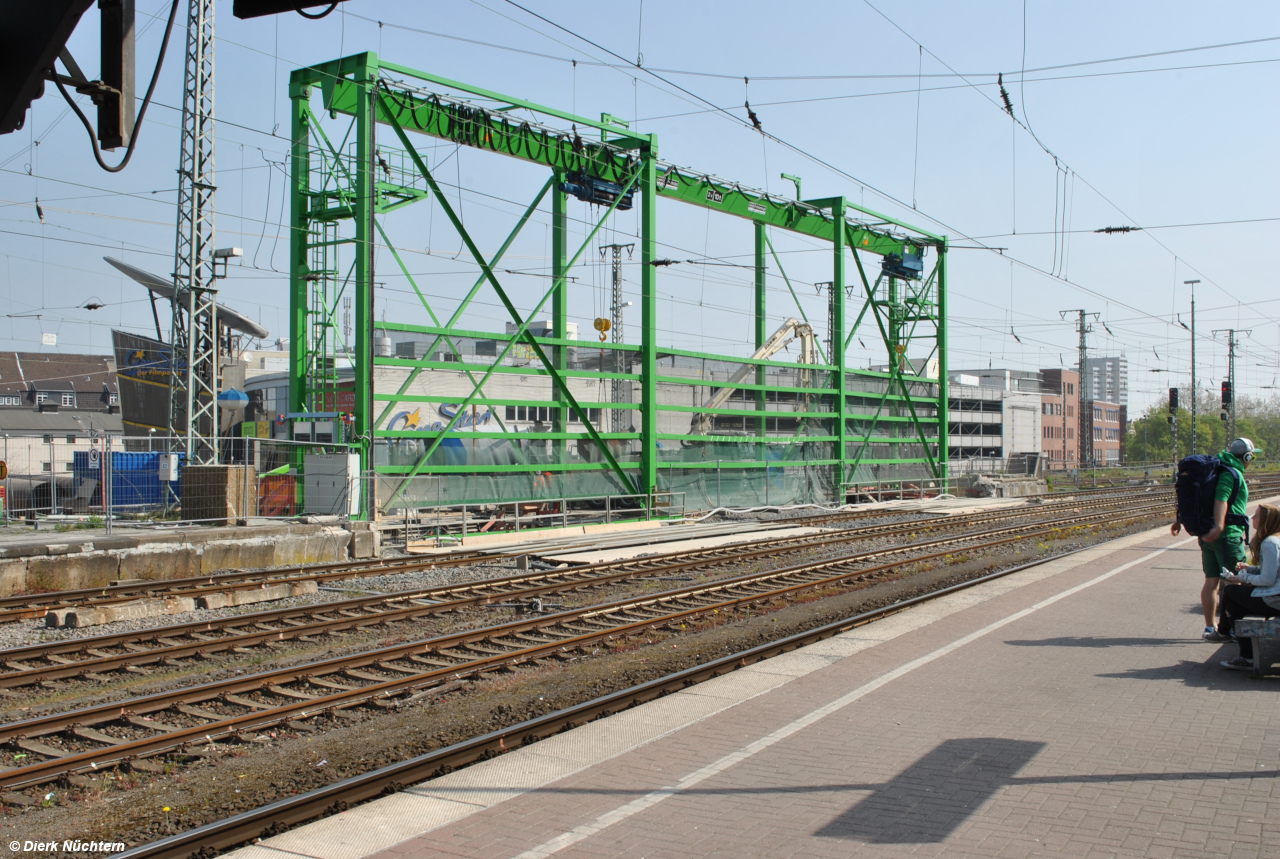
1149	437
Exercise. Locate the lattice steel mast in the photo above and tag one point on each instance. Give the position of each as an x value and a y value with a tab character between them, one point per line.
1084	432
193	406
618	417
1229	394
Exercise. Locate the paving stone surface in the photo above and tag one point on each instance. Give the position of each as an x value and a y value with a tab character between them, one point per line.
1074	713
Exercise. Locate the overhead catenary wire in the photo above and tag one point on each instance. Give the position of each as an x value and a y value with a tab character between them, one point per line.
921	49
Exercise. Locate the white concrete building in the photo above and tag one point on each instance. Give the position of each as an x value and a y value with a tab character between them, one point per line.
1106	380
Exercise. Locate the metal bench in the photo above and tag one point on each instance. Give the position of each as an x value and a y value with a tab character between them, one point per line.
1266	640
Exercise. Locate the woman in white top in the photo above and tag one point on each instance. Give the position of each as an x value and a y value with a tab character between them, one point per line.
1254	591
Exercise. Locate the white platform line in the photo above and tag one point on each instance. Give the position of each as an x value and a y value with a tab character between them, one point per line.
649	800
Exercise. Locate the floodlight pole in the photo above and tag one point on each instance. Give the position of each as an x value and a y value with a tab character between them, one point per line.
1195	392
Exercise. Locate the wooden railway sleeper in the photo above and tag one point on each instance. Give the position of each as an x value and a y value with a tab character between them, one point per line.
40	748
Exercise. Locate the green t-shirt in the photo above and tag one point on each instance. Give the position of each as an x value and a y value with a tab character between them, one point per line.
1226	483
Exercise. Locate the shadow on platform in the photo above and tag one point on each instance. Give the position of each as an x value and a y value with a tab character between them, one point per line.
929	800
1085	641
1202	675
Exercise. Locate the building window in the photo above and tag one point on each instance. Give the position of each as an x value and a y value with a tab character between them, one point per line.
113	399
71	439
67	466
48	466
41	397
69	400
511	413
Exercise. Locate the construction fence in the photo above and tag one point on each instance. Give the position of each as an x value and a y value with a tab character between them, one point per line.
122	478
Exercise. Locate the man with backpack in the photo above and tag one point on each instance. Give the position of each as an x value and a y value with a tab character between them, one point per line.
1212	500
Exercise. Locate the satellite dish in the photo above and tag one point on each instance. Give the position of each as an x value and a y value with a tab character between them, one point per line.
164	289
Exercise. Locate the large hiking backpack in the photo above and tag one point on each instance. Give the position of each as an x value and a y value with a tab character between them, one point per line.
1197	482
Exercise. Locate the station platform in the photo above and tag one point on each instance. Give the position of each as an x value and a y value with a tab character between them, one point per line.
1068	710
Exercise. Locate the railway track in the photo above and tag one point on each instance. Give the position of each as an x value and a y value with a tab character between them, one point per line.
93	657
204	719
29	607
33	606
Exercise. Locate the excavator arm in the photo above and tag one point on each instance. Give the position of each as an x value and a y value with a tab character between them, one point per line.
703	422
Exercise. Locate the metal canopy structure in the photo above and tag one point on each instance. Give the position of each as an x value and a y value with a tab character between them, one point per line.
793	434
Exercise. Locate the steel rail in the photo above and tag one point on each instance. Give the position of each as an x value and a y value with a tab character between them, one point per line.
602	622
30	606
26	607
51	724
391	608
1261	483
202	585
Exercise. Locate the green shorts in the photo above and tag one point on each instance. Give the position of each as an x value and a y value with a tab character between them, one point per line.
1227	551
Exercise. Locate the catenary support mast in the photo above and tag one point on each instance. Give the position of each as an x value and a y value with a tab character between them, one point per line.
1084	425
618	417
193	385
1229	401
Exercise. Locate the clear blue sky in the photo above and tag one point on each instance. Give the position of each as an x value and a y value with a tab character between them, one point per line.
900	95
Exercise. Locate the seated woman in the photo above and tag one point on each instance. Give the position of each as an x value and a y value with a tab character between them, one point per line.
1254	591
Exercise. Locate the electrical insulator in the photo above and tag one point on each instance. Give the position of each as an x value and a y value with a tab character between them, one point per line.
1173	400
1226	395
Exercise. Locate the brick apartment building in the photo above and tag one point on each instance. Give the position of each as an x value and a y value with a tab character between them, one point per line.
1059	420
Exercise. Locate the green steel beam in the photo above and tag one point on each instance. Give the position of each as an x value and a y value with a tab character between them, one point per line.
502	295
299	264
837	206
358	86
498	131
441	332
404	269
817	343
366	77
559	298
944	382
649	321
895	367
762	301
